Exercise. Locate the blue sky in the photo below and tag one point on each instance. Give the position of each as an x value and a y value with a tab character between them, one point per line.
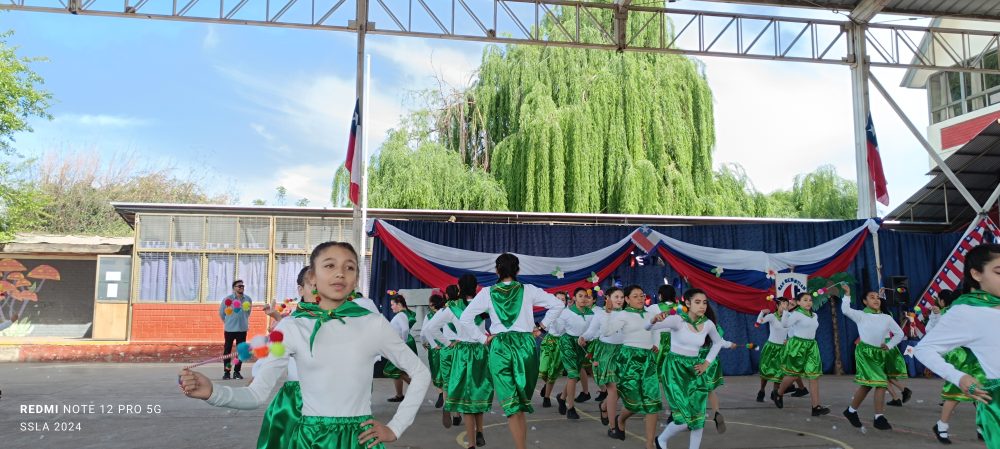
246	109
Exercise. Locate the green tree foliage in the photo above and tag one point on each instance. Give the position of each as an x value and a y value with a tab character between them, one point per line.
79	190
820	194
21	202
21	97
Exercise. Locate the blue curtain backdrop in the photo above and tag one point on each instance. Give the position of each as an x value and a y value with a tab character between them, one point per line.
903	254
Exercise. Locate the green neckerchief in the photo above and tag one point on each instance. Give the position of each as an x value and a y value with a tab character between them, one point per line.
641	312
872	311
722	333
457	307
411	317
507	299
687	319
312	310
665	306
977	298
584	312
805	312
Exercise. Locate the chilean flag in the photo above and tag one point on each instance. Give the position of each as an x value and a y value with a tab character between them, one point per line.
875	164
354	157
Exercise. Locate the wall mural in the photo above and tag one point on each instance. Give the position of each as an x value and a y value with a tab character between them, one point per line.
18	287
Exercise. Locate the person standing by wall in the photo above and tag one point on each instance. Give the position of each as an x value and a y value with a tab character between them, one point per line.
235	318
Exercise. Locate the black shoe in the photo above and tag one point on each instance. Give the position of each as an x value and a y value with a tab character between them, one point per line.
907	394
942	437
480	440
617	433
852	417
237	375
225	376
800	392
720	422
571	414
562	404
583	397
456	420
894	403
779	401
760	396
601	396
819	410
541	392
440	401
395	399
882	424
546	402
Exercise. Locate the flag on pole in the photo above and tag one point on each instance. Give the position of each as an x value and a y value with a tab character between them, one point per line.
875	164
949	276
354	157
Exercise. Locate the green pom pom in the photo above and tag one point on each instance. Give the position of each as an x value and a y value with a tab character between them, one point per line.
277	349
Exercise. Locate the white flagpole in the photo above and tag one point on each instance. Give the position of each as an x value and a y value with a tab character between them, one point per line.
363	285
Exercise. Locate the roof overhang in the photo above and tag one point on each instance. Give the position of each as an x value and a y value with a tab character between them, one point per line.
969	9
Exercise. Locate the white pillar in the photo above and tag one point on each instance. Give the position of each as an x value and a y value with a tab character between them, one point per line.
861	109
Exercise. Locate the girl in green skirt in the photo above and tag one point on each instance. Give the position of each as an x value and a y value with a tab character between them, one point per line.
802	353
438	344
870	354
635	365
772	355
688	389
666	296
961	358
550	363
513	357
714	374
469	385
606	350
973	322
403	322
573	321
333	343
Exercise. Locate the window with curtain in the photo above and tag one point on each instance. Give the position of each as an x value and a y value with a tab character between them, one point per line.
289	266
221	274
253	272
152	277
185	270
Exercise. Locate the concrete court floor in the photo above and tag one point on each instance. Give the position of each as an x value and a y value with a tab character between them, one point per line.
137	390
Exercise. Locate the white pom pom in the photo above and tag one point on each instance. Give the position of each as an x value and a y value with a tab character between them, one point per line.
258	341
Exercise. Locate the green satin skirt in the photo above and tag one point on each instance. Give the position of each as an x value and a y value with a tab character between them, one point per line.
802	359
514	368
605	362
895	365
391	371
870	364
963	360
687	391
713	375
325	432
573	356
550	364
281	417
988	415
638	385
434	364
470	386
770	362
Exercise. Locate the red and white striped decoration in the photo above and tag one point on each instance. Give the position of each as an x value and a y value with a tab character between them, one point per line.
949	276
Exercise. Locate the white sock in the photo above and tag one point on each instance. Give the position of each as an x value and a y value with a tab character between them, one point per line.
671	430
695	439
852	409
942	427
878	415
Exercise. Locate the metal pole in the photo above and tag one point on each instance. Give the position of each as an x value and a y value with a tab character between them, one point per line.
927	146
859	97
358	224
992	199
363	285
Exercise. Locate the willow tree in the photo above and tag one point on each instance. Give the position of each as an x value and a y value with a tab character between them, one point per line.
591	130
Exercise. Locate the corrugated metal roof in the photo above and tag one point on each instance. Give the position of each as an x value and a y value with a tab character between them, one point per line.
978	9
977	165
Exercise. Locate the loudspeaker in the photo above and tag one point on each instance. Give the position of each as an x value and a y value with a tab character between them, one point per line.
899	293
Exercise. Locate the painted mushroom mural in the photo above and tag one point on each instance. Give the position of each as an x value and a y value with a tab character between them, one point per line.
18	287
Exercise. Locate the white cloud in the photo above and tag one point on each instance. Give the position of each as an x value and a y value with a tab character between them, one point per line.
103	120
422	64
309	180
211	39
781	119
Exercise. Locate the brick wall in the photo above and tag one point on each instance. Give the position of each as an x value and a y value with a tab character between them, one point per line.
116	353
961	133
185	322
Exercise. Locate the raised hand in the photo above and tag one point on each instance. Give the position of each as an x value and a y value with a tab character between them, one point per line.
194	384
377	433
